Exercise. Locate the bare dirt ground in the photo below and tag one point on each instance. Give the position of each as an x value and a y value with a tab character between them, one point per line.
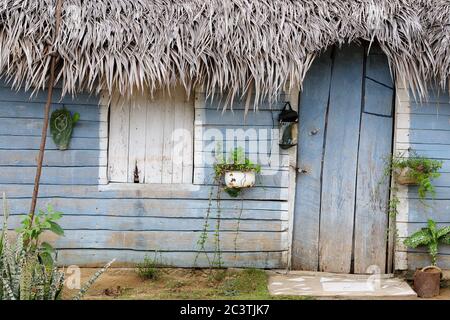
179	284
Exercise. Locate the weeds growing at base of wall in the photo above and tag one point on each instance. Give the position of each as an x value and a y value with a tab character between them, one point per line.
24	274
150	268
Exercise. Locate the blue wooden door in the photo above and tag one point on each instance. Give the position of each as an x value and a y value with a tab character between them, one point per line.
346	130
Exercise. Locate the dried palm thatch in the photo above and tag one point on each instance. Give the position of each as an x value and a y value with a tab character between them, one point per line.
225	45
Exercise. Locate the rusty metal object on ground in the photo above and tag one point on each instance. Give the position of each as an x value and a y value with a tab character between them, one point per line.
427	281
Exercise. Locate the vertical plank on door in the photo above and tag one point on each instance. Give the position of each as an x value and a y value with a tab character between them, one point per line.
371	217
168	128
312	109
154	139
340	161
136	152
372	194
118	137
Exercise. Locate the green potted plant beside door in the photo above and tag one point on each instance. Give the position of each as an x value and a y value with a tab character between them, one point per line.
427	279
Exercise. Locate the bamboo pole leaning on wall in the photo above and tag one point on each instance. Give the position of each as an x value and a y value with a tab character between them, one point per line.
51	83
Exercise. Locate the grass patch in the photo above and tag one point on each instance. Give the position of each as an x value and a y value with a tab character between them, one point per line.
149	269
251	284
205	284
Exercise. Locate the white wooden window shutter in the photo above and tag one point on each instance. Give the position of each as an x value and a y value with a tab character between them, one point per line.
154	134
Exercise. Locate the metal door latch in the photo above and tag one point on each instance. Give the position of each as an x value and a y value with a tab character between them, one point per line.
314	132
302	171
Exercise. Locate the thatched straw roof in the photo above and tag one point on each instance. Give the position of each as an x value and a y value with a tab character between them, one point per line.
228	45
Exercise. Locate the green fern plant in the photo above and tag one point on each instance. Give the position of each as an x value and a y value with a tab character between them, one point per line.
422	170
431	237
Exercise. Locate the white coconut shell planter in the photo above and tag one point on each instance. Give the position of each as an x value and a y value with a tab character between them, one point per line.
240	179
402	177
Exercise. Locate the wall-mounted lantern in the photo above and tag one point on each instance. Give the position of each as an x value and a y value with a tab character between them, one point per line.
288	126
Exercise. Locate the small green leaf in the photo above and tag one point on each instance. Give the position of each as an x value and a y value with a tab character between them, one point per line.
431	224
443	232
75	117
47	247
56	228
46	258
419	238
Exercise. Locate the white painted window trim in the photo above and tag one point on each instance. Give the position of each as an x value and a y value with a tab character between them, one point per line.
150	188
402	105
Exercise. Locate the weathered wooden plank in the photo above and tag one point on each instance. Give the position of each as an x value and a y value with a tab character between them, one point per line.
53	158
419	211
154	140
251	132
423	136
9	142
33	127
156	208
125	224
119	130
128	258
433	151
180	136
22	109
168	143
442	193
149	191
416	226
420	260
267	160
188	138
157	240
423	122
340	160
378	99
137	138
377	68
237	117
52	175
424	108
239	102
267	177
7	94
372	194
313	106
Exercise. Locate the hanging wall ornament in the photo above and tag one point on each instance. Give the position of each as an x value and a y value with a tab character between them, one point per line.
61	126
287	125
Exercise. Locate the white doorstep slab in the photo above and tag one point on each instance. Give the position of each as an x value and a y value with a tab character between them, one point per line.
342	285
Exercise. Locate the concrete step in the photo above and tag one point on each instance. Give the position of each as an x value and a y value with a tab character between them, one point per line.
318	284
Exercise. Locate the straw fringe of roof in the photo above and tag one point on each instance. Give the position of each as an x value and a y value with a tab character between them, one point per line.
224	45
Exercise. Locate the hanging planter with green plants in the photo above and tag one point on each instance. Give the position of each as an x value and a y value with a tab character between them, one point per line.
414	170
238	172
61	126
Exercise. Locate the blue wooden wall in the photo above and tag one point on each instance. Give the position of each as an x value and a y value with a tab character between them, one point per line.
127	224
425	127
